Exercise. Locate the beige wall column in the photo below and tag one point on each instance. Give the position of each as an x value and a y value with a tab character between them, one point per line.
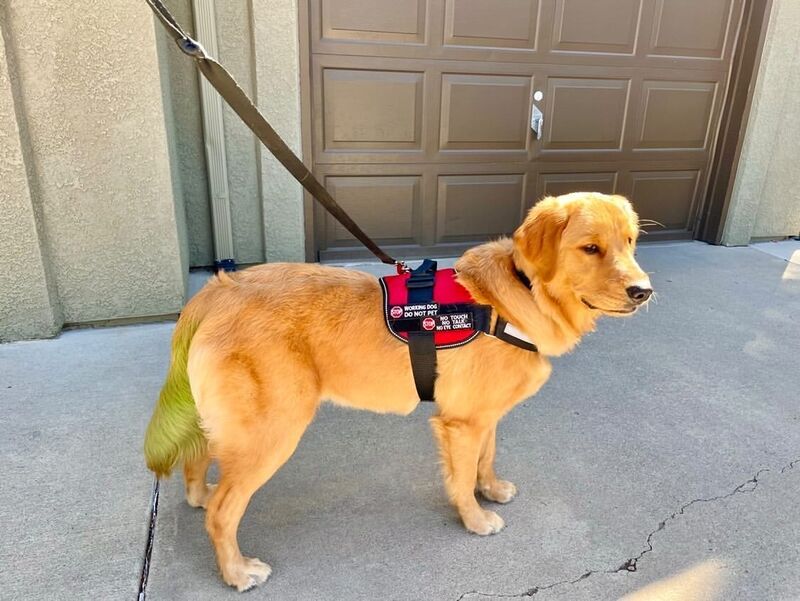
234	31
89	91
28	305
765	202
181	90
277	69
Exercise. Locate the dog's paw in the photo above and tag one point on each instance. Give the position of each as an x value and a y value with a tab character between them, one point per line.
484	522
199	497
247	573
499	491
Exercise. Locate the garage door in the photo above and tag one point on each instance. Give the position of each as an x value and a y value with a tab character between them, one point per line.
421	111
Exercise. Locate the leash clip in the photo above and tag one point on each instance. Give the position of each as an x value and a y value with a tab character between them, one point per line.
192	47
402	267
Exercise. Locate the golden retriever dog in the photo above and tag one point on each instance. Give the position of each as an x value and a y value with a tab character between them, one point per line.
255	353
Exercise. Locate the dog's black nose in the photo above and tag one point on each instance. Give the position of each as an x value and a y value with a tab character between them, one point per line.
637	294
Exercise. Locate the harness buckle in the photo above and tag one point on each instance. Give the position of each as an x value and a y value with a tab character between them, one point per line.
424	280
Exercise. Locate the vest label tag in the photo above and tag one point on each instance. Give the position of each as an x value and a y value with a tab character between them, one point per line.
454	321
421	310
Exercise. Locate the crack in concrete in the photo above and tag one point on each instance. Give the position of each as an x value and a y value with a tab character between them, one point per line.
532	591
747	486
630	565
151	536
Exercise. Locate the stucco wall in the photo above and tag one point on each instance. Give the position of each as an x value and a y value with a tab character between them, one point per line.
235	43
277	69
185	133
27	309
766	196
88	87
258	44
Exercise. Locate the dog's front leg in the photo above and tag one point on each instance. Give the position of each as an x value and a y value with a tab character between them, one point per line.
460	445
499	491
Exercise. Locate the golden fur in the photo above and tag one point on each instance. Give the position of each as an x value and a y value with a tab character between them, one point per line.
276	340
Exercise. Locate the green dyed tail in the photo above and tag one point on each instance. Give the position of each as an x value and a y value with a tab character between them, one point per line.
174	432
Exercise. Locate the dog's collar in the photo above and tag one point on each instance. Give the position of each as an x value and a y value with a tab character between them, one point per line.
508	332
522	277
512	335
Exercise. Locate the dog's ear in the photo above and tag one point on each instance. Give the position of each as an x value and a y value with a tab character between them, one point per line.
537	240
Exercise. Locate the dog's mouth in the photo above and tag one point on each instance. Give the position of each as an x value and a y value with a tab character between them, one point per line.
626	311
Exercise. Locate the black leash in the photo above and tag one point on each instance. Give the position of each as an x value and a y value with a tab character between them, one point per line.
227	87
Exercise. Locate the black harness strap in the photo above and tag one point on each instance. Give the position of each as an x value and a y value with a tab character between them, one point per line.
421	344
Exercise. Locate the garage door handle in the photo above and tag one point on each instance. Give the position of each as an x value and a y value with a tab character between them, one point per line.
537	121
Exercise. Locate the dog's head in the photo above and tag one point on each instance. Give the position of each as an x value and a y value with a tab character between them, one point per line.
581	245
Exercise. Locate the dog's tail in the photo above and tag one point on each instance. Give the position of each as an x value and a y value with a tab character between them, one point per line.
174	431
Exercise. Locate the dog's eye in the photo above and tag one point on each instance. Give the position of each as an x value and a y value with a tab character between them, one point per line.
630	240
591	249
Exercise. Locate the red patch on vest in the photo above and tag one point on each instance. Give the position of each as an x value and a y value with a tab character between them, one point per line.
446	290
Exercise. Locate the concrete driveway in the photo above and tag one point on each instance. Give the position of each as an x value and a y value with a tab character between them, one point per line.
661	461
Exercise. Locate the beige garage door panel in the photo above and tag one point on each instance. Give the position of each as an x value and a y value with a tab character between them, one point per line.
691	28
399	21
585	113
662	195
484	112
376	110
607	26
421	111
491	23
556	184
388	207
478	205
676	114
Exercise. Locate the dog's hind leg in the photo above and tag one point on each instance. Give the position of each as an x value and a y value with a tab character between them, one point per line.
258	430
198	491
460	444
254	409
245	465
499	491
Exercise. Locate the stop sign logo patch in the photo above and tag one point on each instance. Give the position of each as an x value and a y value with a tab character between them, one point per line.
428	323
396	312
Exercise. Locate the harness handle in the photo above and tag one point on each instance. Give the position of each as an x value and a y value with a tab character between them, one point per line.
226	85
